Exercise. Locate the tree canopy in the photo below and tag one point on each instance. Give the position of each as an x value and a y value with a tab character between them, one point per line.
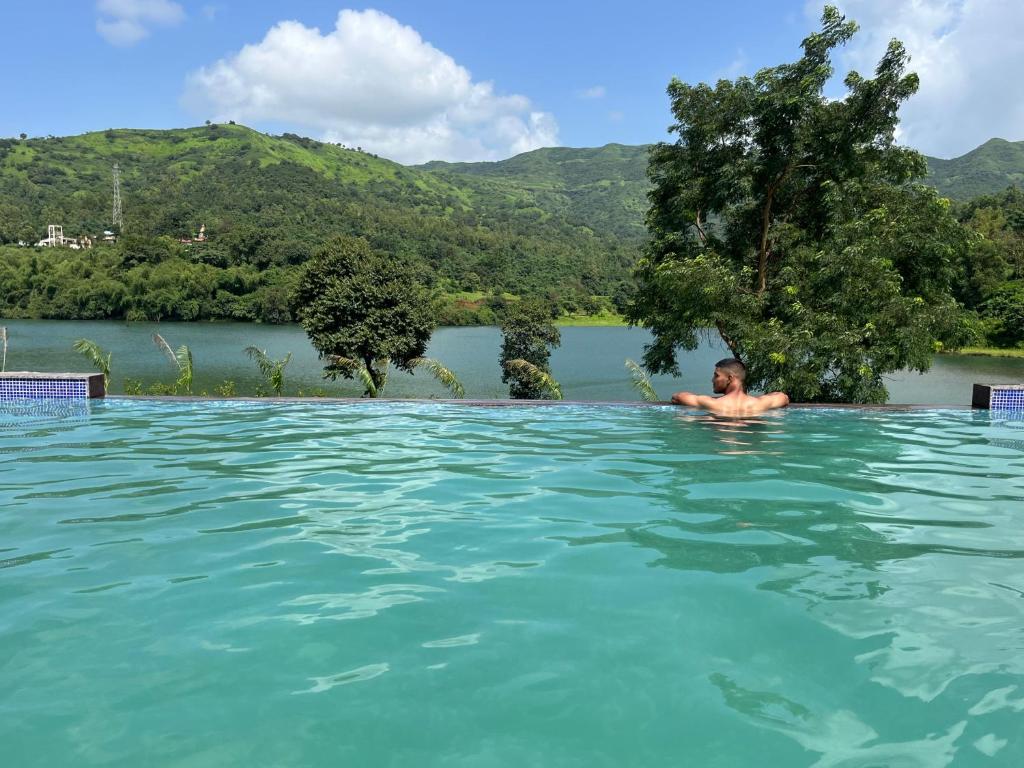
789	224
527	338
363	310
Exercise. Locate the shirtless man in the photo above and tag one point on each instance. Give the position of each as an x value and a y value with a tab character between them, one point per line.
727	381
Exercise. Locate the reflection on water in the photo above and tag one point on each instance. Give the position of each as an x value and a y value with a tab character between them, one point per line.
739	435
39	413
561	585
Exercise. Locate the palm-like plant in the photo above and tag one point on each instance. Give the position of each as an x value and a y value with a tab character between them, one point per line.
96	355
642	382
272	370
539	377
346	366
443	375
181	359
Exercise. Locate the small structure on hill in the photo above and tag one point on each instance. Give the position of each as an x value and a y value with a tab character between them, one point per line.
55	239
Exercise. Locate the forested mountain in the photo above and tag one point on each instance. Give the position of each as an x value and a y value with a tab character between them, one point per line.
564	224
605	187
986	170
268	203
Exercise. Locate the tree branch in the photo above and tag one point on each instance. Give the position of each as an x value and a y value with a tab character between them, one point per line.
766	216
729	341
700	230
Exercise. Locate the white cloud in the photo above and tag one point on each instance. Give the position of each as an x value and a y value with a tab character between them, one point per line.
594	92
735	68
369	82
126	22
968	54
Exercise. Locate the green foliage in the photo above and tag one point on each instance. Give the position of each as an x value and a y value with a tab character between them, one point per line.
132	387
362	310
983	171
95	355
1004	311
162	389
226	389
605	186
528	336
532	379
642	382
373	383
269	202
997	254
272	370
181	358
443	375
789	225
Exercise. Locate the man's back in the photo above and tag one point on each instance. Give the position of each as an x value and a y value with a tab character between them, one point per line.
733	404
728	381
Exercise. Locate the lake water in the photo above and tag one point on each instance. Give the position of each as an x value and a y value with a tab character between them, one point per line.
590	364
322	584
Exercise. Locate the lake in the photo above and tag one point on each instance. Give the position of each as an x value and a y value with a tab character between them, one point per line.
590	364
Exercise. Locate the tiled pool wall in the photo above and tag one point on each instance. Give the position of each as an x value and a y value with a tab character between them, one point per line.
998	397
22	385
26	385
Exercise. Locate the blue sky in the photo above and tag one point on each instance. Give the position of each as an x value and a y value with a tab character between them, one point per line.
456	80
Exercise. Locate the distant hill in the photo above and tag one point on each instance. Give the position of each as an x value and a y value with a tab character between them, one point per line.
990	168
270	201
605	187
561	223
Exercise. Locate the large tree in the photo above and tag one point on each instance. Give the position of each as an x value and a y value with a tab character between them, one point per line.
788	223
363	310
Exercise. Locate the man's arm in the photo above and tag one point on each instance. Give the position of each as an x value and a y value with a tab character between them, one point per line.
774	400
688	398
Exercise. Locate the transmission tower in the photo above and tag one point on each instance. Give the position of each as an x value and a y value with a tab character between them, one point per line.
118	215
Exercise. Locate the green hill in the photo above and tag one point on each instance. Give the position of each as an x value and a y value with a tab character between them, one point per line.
605	187
560	223
988	169
267	203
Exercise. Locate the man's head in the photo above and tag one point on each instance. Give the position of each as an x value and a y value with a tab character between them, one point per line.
726	372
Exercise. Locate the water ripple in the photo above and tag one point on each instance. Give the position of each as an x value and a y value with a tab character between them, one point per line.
821	587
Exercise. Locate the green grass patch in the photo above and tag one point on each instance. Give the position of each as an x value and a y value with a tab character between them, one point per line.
989	352
602	319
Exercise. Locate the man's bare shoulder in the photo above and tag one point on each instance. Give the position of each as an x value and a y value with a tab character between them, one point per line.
747	405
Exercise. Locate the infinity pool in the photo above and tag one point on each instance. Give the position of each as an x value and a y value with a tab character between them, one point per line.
224	584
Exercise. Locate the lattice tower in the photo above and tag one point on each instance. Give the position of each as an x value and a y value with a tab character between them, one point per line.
118	214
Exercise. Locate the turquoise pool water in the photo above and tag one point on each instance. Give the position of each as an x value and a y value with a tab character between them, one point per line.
222	584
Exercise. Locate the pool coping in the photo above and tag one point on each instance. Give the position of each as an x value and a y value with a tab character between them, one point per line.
511	403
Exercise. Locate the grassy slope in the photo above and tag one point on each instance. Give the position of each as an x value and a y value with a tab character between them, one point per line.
82	164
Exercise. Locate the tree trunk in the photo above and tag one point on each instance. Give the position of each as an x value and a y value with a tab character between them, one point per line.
729	341
762	254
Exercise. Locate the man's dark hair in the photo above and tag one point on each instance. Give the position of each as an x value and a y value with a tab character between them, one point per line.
733	367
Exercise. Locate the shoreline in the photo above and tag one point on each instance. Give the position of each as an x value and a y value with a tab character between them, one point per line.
985	352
